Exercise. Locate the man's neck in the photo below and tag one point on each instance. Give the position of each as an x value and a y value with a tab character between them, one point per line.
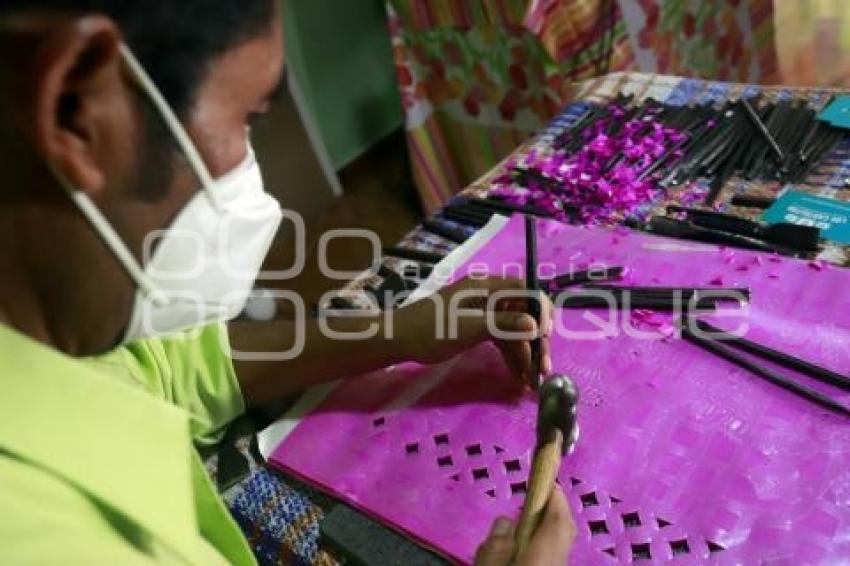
18	311
20	307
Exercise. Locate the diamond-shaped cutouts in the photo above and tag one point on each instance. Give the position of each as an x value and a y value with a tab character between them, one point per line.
519	487
480	474
714	547
631	520
641	552
680	547
473	450
589	499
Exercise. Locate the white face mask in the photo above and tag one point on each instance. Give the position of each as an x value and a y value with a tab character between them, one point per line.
204	265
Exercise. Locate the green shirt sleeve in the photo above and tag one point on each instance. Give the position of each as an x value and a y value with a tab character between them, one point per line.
192	370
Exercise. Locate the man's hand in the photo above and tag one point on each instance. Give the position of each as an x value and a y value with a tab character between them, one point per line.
550	544
418	325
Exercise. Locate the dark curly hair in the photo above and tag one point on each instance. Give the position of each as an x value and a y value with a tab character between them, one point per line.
175	40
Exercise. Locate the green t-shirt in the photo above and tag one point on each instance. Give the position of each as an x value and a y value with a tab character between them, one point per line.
97	463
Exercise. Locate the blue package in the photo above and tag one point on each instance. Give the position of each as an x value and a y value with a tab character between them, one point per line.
837	112
830	215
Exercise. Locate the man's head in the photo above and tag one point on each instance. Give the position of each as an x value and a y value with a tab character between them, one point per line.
69	109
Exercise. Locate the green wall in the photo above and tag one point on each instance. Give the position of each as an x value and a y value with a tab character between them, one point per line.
341	55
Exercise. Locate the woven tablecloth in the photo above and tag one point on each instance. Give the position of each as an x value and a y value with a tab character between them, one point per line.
280	516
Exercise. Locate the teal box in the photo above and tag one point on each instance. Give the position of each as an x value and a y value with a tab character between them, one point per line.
837	112
830	215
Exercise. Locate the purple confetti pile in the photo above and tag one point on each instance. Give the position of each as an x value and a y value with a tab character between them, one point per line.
607	178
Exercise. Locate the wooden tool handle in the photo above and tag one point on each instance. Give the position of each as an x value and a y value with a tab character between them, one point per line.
544	470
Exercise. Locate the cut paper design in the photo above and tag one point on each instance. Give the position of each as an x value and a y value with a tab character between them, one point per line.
683	458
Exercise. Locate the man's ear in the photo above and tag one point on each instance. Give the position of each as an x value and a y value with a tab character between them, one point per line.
78	95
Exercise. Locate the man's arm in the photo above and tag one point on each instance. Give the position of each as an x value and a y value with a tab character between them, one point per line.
411	335
322	358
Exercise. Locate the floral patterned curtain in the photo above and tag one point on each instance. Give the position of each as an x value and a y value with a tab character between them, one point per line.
477	77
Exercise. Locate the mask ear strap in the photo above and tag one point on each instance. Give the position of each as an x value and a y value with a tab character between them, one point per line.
114	242
172	122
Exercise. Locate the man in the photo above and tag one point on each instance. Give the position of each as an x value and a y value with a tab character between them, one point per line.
114	113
